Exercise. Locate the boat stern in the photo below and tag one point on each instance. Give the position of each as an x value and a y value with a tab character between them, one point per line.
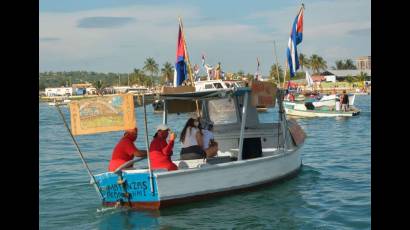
132	188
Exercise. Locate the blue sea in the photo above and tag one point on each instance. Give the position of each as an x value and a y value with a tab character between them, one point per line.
332	191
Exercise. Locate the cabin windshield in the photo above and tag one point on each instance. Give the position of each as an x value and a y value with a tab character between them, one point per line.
222	111
209	86
218	85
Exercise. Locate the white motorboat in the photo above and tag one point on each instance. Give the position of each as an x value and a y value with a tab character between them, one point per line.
326	106
247	157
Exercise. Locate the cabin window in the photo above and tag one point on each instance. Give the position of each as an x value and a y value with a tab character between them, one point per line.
209	86
218	85
222	111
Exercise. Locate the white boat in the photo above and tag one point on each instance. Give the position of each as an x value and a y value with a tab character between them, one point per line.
60	102
326	106
257	155
303	112
250	153
330	100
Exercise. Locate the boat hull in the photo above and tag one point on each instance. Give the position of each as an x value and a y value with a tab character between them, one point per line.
317	113
206	181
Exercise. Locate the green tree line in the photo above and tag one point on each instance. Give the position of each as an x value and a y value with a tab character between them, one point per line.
150	75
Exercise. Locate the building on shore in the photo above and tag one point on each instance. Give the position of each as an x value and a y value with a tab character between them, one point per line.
61	91
342	74
364	63
81	88
121	89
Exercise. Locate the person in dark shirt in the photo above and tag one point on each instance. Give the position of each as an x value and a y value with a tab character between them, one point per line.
345	101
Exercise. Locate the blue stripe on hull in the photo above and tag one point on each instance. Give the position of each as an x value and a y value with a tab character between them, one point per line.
138	187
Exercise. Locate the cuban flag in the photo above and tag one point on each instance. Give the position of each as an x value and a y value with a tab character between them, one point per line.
294	40
180	65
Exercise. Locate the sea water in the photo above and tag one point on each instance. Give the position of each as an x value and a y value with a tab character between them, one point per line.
332	191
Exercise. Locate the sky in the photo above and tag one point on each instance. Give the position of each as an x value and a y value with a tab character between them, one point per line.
119	35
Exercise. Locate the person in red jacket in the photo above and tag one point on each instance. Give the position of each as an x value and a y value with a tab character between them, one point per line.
160	151
125	150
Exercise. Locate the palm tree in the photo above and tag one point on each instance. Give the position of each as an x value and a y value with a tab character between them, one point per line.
136	77
317	63
339	64
273	73
167	72
361	77
151	66
349	78
303	61
99	86
241	73
349	64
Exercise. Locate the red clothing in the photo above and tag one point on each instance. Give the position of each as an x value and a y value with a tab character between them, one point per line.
123	152
160	154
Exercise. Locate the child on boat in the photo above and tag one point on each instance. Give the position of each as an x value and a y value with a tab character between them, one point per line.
210	146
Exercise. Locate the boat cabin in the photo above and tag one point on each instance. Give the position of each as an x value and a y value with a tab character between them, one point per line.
233	116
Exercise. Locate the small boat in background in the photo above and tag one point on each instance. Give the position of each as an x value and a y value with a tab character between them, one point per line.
56	102
309	110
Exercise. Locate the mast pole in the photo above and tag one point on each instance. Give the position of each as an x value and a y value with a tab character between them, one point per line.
277	63
147	144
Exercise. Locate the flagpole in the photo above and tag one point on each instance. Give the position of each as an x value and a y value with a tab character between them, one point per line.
276	58
284	76
186	50
257	68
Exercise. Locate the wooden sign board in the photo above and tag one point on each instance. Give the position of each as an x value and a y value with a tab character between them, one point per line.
102	114
298	135
263	93
180	106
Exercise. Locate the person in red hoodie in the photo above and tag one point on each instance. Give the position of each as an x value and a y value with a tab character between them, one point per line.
160	151
125	150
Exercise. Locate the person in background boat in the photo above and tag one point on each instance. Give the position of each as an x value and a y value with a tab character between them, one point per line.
125	150
210	146
345	101
191	138
218	71
160	151
196	73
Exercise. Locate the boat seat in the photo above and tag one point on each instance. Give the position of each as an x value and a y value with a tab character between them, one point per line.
186	164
